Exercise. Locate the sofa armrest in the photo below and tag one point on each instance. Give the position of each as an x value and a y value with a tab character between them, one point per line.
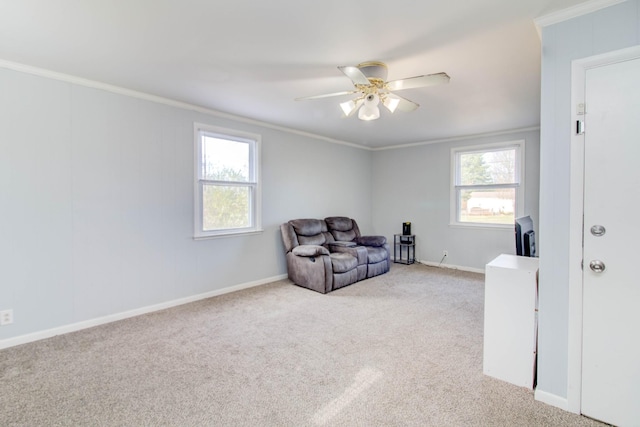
310	250
371	240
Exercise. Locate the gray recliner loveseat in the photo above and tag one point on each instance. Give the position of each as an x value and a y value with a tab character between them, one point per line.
325	255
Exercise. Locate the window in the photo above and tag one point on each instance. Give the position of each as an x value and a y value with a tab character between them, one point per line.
487	187
227	182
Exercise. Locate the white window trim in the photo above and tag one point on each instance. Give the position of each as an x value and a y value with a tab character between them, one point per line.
230	134
453	217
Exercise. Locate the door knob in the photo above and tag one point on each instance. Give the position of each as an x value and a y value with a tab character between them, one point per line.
598	230
597	266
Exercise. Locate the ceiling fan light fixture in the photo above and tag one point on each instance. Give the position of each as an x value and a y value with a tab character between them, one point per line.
370	110
391	103
348	107
369	113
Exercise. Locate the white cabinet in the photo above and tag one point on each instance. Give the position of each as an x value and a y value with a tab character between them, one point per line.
510	319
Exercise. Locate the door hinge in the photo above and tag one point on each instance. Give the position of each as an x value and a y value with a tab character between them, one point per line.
579	127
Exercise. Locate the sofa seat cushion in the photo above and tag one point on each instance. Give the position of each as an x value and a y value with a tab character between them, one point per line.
342	262
376	254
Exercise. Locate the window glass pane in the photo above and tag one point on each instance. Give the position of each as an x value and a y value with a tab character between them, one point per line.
225	207
225	160
488	206
488	167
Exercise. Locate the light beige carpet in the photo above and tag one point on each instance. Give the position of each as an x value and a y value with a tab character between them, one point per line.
401	349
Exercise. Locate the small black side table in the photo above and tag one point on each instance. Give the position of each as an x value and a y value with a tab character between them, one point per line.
402	242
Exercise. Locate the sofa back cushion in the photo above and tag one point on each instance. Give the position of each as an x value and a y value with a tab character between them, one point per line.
342	228
311	231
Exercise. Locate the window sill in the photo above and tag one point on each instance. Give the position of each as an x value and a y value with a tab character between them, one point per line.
227	234
479	226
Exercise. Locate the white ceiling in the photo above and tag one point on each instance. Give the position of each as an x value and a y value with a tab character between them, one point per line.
252	58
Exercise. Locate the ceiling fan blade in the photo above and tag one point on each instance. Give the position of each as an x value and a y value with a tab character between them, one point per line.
356	76
327	95
418	81
394	102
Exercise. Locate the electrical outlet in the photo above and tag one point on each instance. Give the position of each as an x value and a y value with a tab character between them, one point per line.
445	253
6	317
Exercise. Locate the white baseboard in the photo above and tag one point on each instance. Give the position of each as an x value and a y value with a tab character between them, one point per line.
552	399
451	266
73	327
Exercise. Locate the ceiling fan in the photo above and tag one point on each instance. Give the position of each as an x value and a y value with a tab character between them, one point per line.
369	79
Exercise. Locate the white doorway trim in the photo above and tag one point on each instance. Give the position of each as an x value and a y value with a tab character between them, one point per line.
579	68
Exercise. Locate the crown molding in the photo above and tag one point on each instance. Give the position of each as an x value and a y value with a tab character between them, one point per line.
67	78
459	138
28	69
572	12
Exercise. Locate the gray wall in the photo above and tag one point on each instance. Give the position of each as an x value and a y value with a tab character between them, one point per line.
413	184
603	31
96	194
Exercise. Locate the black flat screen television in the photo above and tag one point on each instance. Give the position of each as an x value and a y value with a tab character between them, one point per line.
525	237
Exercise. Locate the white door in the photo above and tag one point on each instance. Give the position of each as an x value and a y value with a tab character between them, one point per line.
611	278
